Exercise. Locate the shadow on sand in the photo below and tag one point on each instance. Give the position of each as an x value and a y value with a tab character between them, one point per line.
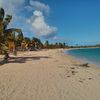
22	59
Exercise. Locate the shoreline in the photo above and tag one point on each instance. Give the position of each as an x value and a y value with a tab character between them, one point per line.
82	60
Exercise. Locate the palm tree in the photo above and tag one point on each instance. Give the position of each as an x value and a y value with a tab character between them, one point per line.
6	34
37	42
27	39
46	44
19	38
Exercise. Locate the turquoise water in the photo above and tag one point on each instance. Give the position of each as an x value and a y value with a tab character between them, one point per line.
90	54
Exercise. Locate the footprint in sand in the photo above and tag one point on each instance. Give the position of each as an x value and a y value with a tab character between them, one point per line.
89	78
68	76
72	67
81	81
74	72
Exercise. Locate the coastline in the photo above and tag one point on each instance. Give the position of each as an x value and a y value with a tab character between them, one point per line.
48	75
82	60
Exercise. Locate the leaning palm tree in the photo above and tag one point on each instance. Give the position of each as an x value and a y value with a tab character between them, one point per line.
6	33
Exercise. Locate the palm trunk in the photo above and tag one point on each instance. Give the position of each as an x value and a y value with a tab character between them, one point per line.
6	57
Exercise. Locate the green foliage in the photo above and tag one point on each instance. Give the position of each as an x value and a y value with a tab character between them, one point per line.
2	13
27	39
7	35
46	44
11	37
19	39
55	45
7	20
37	42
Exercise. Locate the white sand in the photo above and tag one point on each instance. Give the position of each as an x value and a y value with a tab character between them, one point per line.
48	75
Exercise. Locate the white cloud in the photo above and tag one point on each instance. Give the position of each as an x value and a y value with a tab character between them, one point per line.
37	5
36	22
57	38
29	8
39	26
12	6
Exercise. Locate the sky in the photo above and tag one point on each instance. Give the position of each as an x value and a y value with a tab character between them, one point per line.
70	21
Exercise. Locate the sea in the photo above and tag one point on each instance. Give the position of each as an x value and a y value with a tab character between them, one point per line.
91	55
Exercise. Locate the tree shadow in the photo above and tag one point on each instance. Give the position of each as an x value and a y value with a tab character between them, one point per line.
22	59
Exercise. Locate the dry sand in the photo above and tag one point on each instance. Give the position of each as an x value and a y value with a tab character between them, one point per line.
48	75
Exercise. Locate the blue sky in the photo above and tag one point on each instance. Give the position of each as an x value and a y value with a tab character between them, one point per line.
71	21
78	21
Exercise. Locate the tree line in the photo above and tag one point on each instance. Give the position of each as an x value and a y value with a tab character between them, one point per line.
35	43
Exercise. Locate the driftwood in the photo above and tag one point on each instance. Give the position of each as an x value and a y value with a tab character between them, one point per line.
83	65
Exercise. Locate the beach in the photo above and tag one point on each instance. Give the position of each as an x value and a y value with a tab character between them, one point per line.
48	75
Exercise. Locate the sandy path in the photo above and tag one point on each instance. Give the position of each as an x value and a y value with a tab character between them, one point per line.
48	76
